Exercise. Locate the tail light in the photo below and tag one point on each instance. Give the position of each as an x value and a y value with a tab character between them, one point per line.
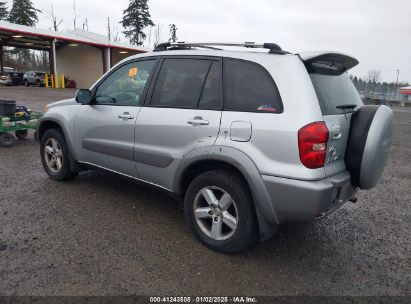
312	144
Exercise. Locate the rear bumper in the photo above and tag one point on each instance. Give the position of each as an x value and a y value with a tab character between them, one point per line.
296	200
5	82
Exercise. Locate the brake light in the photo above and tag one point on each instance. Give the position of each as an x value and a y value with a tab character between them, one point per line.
312	144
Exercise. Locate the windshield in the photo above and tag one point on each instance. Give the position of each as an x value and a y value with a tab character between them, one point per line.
333	91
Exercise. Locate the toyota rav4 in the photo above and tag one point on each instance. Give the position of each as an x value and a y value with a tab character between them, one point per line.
250	139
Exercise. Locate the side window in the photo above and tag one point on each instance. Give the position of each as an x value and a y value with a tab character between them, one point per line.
180	82
125	85
210	97
249	88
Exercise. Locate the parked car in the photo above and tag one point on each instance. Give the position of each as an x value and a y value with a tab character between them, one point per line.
249	140
5	79
10	77
34	78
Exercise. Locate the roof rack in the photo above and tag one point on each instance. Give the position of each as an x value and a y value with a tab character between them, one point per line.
274	48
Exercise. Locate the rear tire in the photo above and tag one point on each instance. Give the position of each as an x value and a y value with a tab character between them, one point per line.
38	83
55	156
228	224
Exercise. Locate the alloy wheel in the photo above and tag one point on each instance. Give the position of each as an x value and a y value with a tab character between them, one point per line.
216	213
53	155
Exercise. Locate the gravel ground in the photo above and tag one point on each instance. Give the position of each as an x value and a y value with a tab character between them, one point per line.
104	235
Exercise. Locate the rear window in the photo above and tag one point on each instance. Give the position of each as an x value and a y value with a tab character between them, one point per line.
180	83
250	88
333	91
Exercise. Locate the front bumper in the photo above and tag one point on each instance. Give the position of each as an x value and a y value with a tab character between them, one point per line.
297	200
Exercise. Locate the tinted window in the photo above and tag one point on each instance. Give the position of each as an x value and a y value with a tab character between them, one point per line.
250	88
125	85
210	97
180	82
334	90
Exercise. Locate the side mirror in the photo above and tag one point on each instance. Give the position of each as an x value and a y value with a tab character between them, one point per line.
83	96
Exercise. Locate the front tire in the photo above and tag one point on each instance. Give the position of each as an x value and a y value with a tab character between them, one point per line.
55	156
220	211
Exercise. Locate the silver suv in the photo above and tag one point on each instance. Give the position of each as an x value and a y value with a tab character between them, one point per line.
249	139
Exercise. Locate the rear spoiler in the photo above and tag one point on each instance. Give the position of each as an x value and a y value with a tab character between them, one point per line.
337	62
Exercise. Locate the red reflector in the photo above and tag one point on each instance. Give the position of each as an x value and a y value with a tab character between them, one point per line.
312	144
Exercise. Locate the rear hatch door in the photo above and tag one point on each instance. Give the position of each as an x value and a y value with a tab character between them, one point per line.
337	97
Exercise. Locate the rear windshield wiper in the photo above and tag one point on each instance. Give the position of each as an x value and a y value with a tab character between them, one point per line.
346	106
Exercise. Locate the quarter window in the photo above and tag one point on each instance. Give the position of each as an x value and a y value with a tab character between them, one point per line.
125	85
250	88
180	82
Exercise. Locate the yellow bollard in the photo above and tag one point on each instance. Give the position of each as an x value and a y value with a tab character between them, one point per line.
46	80
52	81
56	82
63	84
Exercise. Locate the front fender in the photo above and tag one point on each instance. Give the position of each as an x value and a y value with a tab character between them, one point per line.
64	125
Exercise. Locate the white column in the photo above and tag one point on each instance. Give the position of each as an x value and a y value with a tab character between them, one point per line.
108	59
53	46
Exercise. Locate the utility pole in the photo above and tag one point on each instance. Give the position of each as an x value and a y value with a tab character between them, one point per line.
75	14
108	29
396	83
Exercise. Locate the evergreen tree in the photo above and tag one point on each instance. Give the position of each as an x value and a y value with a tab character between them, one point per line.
23	12
3	10
135	18
173	33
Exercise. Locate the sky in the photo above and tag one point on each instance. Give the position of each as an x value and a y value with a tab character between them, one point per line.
376	32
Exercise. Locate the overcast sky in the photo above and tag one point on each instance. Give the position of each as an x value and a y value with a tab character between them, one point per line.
377	32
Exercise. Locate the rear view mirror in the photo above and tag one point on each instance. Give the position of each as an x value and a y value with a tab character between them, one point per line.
83	96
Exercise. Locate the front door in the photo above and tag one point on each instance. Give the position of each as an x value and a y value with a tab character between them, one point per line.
182	115
104	130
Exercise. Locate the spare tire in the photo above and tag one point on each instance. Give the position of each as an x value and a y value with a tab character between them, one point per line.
368	144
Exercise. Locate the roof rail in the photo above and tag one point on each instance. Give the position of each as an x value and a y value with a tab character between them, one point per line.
274	48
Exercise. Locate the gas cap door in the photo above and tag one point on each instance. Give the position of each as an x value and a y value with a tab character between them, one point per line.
240	131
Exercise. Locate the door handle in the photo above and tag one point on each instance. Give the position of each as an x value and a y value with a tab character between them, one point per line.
198	120
125	115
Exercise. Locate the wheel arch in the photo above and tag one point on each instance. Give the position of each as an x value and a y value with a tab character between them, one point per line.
50	122
236	161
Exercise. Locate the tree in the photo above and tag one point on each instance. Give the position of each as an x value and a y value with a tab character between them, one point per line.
157	35
173	33
56	22
135	18
23	12
3	10
373	76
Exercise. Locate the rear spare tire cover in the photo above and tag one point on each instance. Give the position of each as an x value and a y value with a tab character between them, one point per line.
368	144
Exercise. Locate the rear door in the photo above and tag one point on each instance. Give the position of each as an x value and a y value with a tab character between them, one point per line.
338	98
182	115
